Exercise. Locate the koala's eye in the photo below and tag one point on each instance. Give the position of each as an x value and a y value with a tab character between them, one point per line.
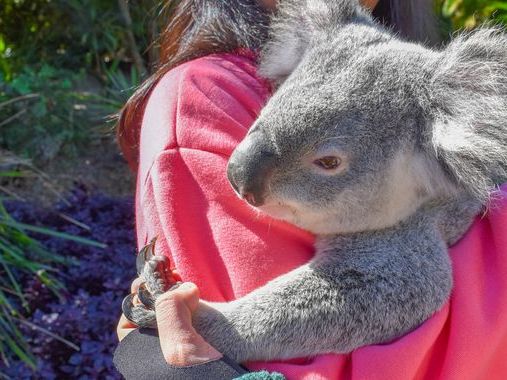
328	163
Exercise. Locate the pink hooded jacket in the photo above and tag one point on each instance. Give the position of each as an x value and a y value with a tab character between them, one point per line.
193	120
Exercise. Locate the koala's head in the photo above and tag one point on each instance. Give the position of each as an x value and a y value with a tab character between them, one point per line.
364	127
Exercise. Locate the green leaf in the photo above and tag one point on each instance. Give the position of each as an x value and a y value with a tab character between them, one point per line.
497	5
39	109
3	45
21	86
14	174
449	7
46	231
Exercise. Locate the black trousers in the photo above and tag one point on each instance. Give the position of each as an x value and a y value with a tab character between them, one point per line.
139	357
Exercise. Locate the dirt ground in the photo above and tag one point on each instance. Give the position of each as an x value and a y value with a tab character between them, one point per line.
99	168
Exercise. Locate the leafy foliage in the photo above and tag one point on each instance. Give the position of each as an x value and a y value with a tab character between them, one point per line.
14	245
22	256
45	114
42	114
89	306
70	34
468	14
120	88
61	64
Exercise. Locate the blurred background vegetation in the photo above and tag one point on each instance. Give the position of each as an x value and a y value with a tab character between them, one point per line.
468	14
65	67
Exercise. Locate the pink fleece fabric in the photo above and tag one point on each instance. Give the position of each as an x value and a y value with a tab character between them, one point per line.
194	118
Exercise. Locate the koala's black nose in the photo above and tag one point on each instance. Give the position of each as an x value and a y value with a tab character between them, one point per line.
249	170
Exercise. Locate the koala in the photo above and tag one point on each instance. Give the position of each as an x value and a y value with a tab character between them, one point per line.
386	150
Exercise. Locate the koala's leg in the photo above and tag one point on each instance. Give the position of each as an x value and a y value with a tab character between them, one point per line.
375	292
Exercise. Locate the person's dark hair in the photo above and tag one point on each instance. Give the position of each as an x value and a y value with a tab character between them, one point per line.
196	28
412	19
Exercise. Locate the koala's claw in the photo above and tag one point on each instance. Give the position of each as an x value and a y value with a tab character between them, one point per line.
157	275
146	297
145	255
158	279
138	314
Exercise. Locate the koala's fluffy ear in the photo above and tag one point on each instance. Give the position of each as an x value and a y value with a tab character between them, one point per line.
284	51
294	26
468	93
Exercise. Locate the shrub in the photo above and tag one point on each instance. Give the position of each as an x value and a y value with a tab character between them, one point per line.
42	115
49	50
20	255
73	34
91	304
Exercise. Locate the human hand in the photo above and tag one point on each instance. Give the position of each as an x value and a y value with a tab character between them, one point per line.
181	344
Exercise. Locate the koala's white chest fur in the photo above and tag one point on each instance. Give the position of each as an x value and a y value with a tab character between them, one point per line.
413	180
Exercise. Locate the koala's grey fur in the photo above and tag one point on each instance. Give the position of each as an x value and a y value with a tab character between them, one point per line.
422	136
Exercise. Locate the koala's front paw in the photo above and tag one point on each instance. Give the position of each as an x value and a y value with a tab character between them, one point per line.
158	278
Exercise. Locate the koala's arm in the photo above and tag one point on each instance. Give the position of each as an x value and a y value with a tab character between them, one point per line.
330	306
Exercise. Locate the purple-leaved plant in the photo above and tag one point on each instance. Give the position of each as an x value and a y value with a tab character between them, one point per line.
95	286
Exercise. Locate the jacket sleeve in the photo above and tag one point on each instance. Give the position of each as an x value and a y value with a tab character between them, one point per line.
193	120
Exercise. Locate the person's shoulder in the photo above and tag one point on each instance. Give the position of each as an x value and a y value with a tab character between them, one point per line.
224	84
204	104
240	64
226	70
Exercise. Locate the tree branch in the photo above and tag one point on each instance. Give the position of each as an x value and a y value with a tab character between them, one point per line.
134	50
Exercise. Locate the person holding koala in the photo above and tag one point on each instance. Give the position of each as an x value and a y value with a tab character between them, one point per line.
192	115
